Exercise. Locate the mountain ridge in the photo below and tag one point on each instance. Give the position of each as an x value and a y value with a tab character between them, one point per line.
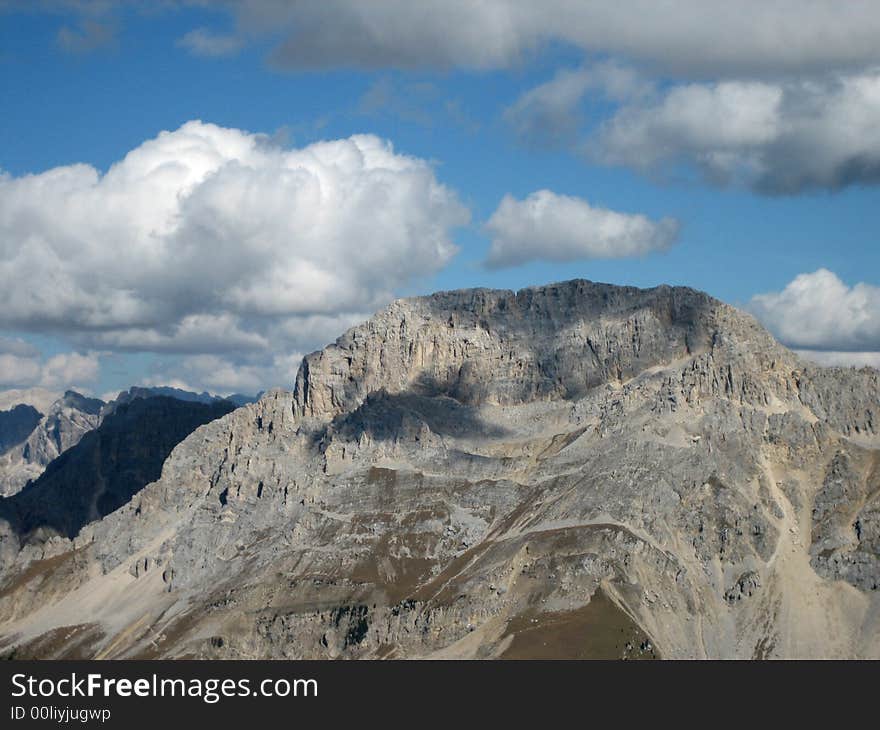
487	474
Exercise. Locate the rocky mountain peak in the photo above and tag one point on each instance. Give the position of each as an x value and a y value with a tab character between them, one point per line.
542	343
79	402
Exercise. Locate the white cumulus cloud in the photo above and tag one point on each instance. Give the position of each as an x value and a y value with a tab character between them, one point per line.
834	358
818	311
68	368
776	137
222	375
551	227
22	366
18	371
204	239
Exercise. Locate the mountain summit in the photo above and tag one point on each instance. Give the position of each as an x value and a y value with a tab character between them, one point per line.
570	471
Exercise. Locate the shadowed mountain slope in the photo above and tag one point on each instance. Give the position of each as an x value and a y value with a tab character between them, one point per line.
17	424
107	467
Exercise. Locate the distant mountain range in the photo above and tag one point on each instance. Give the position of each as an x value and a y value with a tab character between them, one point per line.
17	424
131	394
63	424
38	426
107	466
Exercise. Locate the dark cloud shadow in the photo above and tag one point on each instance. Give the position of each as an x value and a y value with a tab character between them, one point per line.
385	416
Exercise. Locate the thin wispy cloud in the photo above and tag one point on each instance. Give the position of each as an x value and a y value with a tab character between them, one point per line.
87	36
205	42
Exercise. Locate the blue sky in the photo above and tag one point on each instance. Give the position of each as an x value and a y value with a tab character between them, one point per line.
741	149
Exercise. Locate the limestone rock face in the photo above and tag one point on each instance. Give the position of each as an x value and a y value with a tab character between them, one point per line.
577	470
63	425
497	347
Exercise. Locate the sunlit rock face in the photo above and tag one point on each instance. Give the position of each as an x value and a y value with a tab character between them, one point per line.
571	471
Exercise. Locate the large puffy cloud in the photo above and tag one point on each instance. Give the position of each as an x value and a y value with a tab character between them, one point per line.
818	311
17	370
779	137
225	376
692	36
215	243
551	227
222	374
205	238
19	363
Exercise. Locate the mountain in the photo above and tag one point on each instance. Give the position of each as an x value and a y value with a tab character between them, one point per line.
65	422
185	395
16	425
24	454
240	399
106	468
570	471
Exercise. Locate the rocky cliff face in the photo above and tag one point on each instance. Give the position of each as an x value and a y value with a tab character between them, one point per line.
493	347
63	425
576	470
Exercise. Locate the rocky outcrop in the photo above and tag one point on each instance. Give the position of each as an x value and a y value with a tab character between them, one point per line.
846	520
574	471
